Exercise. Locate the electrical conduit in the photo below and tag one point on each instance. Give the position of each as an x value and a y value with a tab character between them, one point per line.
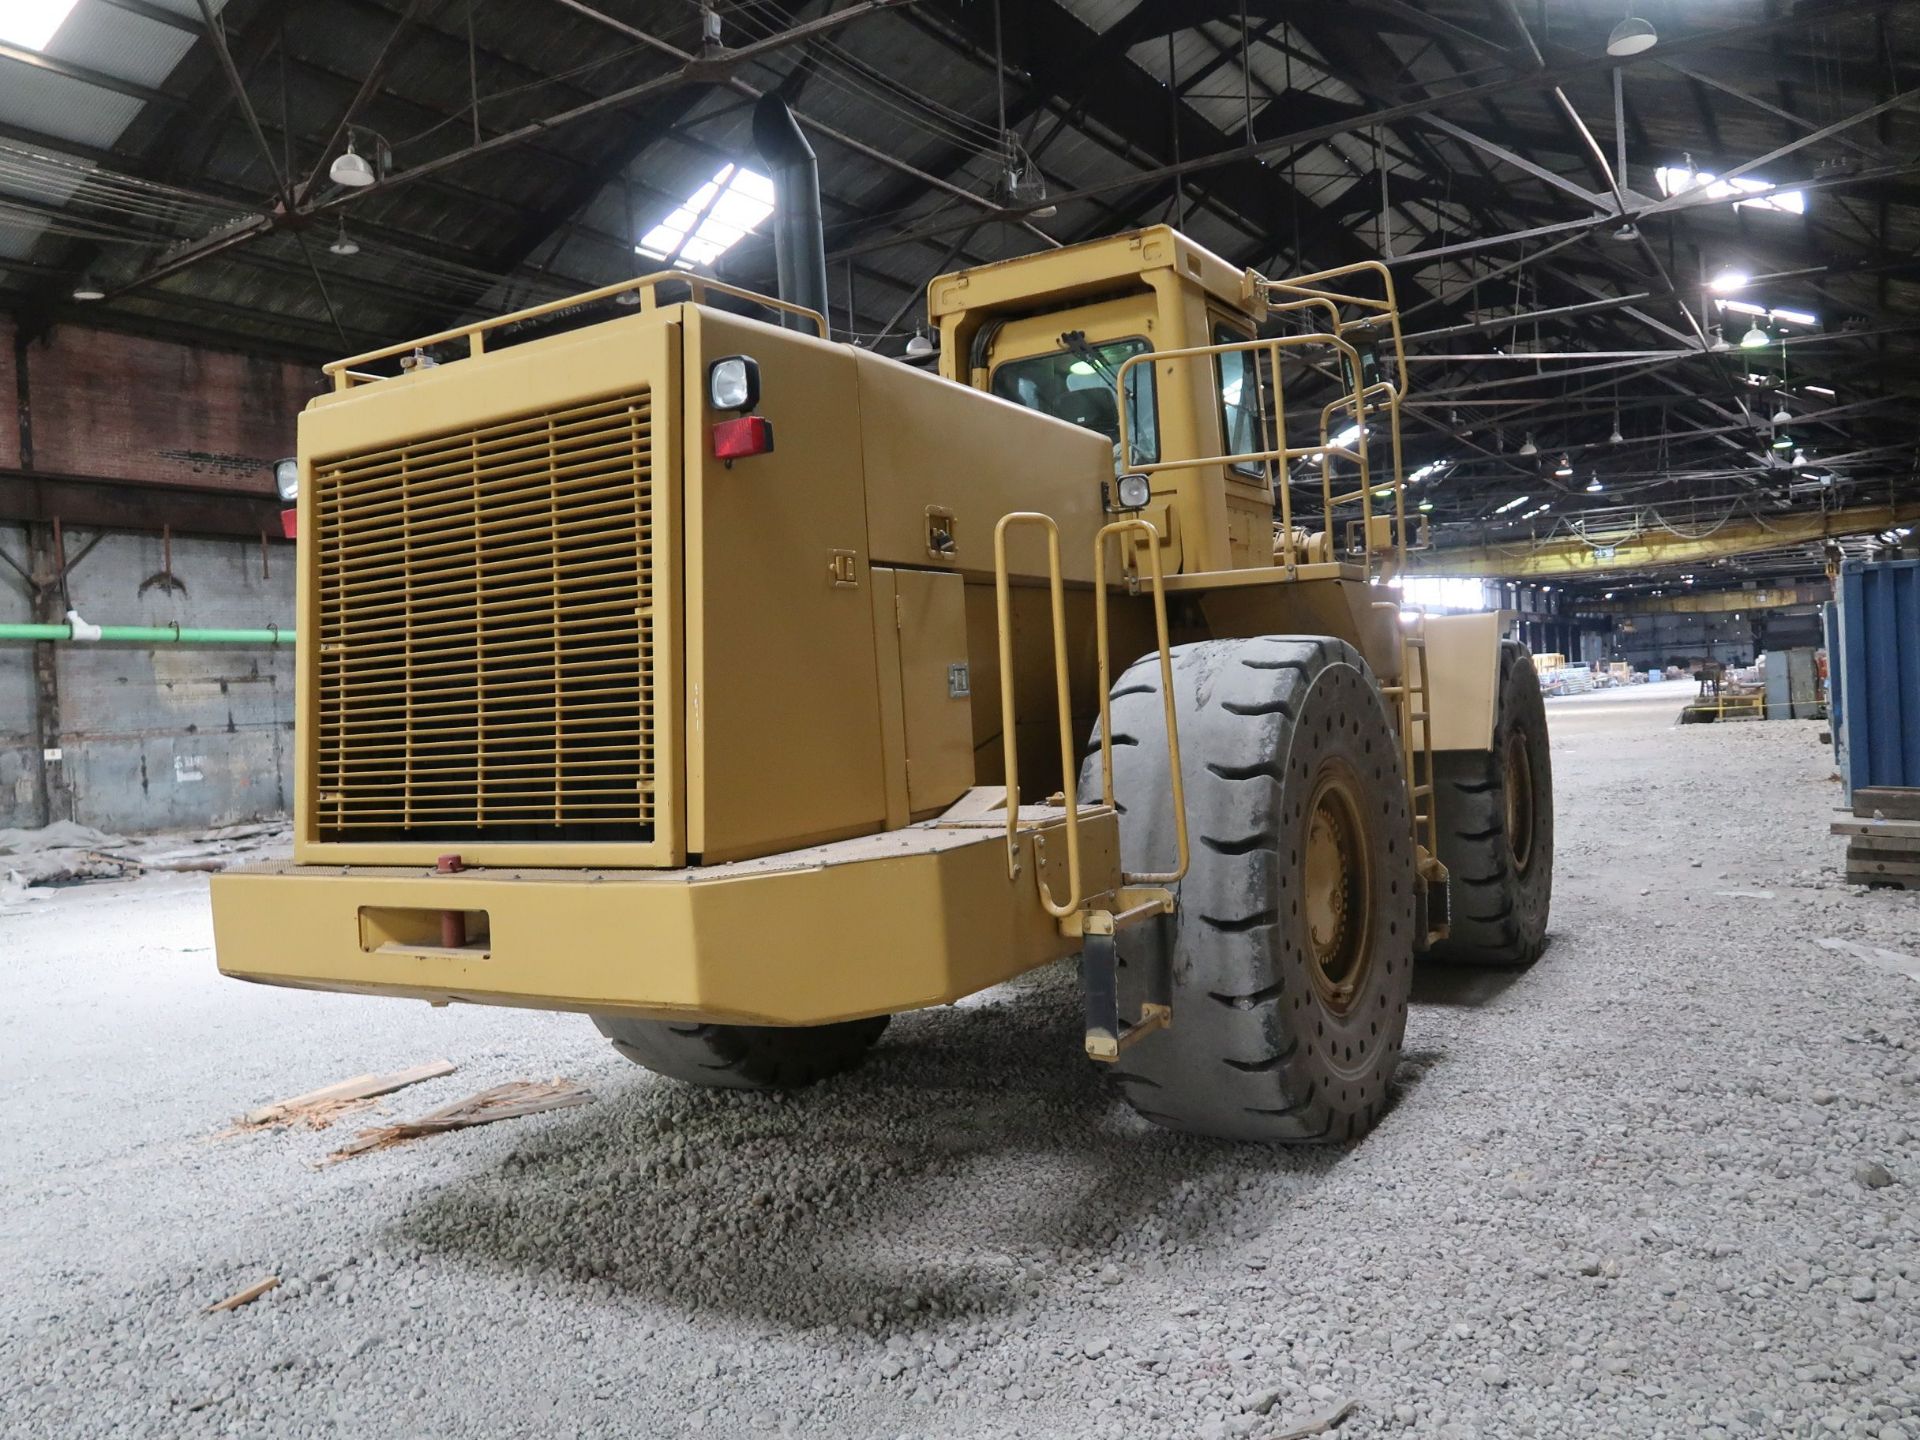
78	631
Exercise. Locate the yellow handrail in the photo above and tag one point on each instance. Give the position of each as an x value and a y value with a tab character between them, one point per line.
346	374
1152	548
1003	601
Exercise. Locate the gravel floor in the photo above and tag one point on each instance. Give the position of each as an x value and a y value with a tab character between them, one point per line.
1661	1184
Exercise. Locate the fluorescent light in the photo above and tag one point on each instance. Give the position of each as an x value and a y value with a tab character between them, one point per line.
1818	390
715	218
1796	317
1513	504
1346	437
1742	307
30	24
1728	281
1762	194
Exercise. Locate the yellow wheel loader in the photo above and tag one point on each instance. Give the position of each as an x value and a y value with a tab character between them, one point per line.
662	660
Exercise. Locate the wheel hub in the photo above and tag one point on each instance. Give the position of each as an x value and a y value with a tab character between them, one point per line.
1337	881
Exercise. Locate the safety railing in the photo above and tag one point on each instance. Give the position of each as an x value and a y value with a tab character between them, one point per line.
1076	897
351	372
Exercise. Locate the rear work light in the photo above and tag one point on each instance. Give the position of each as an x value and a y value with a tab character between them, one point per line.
738	438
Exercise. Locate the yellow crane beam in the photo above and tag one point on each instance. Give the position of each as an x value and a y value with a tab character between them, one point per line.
1711	602
1651	548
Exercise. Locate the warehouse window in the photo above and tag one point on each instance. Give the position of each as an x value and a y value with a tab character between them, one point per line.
1677	179
716	217
30	24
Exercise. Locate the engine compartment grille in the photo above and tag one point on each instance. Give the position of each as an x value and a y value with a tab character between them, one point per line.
484	655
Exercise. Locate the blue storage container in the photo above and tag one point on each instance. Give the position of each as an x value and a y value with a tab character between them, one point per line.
1873	673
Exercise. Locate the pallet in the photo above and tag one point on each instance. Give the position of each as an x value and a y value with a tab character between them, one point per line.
1883	852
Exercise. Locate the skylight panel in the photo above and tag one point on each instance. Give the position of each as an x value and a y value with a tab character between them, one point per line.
30	24
715	218
1678	179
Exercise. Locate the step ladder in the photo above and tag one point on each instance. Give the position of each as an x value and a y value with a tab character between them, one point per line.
1127	899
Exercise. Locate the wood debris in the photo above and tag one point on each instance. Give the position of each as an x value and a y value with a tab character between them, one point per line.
247	1296
502	1102
319	1108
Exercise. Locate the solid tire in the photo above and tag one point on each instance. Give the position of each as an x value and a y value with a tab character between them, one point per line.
743	1057
1255	1051
1500	905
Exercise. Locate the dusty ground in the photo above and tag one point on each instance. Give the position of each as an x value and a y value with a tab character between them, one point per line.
1634	1191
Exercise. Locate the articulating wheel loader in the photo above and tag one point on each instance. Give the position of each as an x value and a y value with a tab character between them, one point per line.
664	661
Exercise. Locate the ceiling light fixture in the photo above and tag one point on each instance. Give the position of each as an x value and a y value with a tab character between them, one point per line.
1728	281
1783	442
1513	504
343	243
1564	468
1799	459
350	168
1616	438
1783	416
1755	338
1632	36
88	289
1594	487
1529	448
919	345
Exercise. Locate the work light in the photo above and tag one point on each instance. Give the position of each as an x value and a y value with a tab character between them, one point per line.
1135	491
286	479
733	383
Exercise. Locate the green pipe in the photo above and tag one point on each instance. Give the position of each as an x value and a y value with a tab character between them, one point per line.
148	635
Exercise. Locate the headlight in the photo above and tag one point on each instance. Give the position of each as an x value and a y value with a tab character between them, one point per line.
286	479
1135	492
733	383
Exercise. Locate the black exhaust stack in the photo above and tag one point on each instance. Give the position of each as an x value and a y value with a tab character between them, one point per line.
799	238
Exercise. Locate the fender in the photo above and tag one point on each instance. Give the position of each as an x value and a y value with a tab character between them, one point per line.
1463	679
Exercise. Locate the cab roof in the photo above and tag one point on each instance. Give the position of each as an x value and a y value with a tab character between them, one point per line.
1093	268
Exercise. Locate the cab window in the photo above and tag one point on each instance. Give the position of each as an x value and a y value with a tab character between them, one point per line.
1238	373
1078	385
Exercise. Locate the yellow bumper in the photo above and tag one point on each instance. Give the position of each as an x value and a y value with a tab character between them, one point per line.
891	922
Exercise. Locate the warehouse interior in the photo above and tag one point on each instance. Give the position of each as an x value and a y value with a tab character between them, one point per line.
1653	278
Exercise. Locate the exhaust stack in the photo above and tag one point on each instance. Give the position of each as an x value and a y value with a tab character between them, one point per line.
799	238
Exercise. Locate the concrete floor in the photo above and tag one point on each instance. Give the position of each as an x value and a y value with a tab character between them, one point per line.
1620	1193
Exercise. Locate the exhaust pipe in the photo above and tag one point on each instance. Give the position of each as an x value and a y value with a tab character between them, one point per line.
799	238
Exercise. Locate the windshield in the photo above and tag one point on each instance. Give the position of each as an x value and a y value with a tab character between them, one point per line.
1077	385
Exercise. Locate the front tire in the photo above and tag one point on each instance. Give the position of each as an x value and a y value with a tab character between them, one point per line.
743	1057
1291	951
1495	822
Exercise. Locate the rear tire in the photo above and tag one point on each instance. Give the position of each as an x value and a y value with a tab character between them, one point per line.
1292	948
1495	818
743	1057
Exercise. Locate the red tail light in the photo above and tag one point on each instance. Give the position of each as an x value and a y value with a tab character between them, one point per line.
290	523
738	438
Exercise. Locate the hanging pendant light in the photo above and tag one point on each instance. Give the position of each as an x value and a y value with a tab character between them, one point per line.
350	168
919	345
1529	448
1782	416
1632	36
343	243
1564	469
1616	438
1755	338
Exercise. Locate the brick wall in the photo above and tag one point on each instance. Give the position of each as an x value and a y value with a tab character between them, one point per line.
124	407
9	420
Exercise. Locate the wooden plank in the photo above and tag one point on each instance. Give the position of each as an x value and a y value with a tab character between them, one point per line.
502	1102
1895	829
360	1087
1893	803
247	1296
1887	845
1864	872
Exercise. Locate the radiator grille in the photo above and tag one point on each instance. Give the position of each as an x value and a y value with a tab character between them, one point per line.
484	663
